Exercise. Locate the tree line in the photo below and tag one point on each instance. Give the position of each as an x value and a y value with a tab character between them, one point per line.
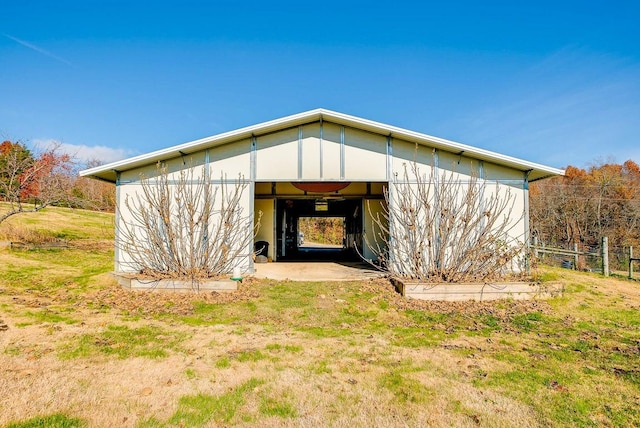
587	204
31	180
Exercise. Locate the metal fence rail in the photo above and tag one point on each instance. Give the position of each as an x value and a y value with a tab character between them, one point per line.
593	259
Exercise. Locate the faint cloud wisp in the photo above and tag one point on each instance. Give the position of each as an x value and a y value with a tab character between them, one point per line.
38	49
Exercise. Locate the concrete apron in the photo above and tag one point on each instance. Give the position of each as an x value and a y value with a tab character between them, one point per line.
315	271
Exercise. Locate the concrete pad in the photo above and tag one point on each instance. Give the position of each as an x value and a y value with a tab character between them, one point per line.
315	271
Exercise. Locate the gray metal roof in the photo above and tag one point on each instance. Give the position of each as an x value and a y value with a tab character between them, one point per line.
109	171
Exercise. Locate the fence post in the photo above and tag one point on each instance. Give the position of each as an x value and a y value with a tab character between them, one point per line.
605	256
630	262
575	256
535	247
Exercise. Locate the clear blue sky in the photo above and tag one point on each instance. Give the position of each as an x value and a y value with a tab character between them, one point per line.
553	82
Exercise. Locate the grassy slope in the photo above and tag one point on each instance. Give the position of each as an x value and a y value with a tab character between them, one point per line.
78	350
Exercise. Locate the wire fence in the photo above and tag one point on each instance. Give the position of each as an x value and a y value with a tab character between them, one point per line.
601	258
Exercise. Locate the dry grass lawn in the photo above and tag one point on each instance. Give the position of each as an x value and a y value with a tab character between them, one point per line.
76	350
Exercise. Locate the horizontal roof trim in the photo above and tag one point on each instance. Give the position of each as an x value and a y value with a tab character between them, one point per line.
108	172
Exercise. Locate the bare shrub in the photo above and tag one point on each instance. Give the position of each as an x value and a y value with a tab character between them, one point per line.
186	228
438	228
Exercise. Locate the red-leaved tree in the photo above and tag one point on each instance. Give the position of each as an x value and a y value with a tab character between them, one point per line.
30	182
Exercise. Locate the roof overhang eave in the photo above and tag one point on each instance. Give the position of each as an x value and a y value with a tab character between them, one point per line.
109	172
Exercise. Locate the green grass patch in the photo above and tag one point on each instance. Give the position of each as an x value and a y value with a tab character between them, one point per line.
276	347
49	316
325	332
190	373
122	342
279	407
412	337
57	420
201	409
45	270
319	367
250	355
528	321
405	389
223	363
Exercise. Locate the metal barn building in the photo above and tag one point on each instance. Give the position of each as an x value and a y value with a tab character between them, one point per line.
319	163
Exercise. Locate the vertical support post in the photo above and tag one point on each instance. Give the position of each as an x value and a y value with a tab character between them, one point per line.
605	256
252	196
119	204
575	256
342	161
300	152
535	247
321	152
630	262
525	214
389	158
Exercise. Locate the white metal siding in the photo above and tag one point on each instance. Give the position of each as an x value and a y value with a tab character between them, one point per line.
405	153
365	156
311	152
277	156
232	160
331	157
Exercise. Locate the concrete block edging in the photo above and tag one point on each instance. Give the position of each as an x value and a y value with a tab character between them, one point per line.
476	291
135	283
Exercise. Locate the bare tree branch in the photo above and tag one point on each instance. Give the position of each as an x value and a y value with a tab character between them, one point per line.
439	228
187	228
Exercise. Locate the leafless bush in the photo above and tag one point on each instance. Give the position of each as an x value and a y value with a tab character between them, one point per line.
187	227
438	228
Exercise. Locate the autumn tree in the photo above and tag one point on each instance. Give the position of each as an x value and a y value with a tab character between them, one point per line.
587	204
94	194
30	182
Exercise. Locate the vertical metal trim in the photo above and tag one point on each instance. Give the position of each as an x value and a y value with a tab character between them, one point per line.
527	237
389	157
207	166
483	185
299	152
321	153
253	158
436	200
207	180
391	183
274	226
119	204
342	161
252	197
